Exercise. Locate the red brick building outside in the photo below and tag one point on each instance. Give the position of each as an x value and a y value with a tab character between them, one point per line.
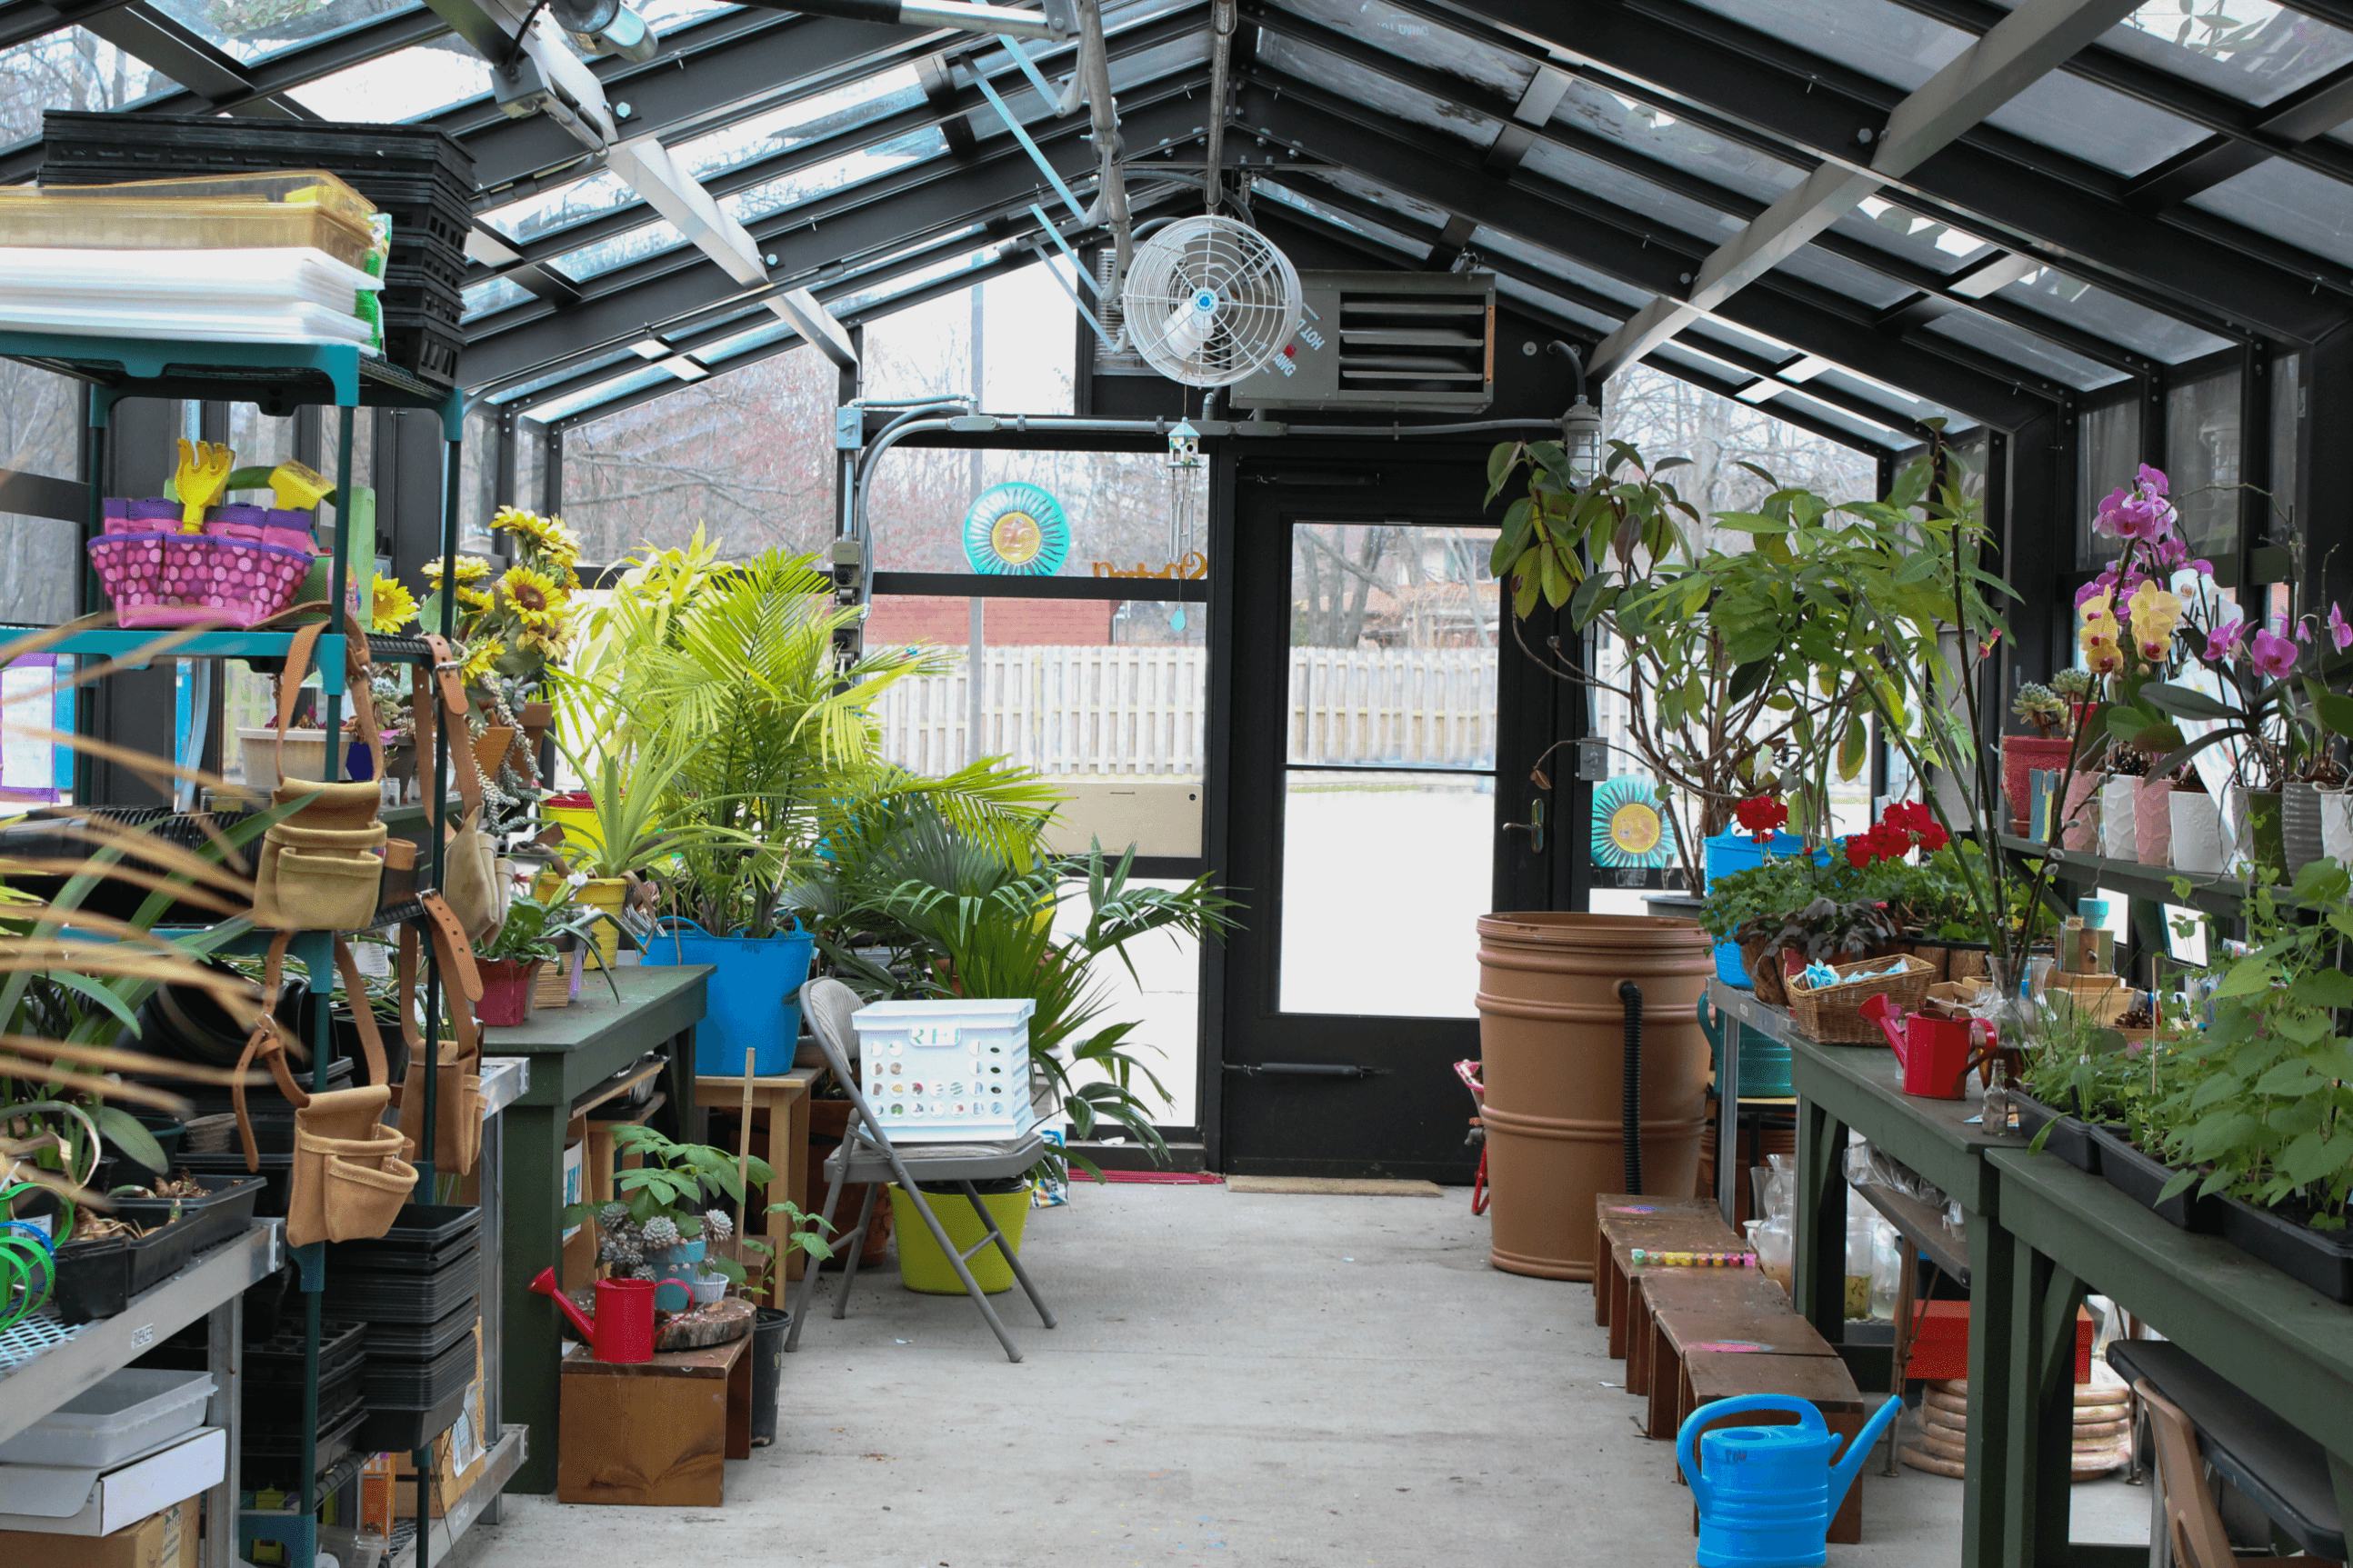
897	618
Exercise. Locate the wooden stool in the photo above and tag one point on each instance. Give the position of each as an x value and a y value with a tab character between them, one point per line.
1744	1315
655	1432
1664	1223
784	1100
1705	1376
1659	1289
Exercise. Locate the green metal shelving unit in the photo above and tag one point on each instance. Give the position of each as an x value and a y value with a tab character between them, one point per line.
276	378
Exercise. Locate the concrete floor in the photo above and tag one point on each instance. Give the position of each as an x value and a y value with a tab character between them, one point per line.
1264	1380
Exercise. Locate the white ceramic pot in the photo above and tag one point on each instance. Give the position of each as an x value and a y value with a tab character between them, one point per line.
2336	824
2197	832
707	1288
2117	797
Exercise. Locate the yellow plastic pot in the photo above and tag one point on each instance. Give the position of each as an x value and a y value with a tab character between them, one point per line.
606	893
923	1268
579	824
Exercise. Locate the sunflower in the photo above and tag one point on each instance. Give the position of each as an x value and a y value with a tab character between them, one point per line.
534	598
391	605
475	599
470	569
554	540
546	642
481	660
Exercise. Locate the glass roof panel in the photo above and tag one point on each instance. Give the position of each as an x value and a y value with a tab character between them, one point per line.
1495	242
620	250
1642	197
1854	425
250	33
721	351
2084	119
1658	134
560	206
1899	403
2015	346
1877	37
2290	202
495	294
1379	233
2254	50
1346	79
604	391
1553	305
753	203
1127	71
1500	71
1848	280
2051	292
69	69
586	367
1680	356
1740	339
406	84
1916	237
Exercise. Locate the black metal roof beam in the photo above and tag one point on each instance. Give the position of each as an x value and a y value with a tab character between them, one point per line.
169	47
1453	89
2296	120
811	154
900	209
940	96
1998	185
1652	257
2233	122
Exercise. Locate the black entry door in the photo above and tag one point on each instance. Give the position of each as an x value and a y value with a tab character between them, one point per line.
1382	737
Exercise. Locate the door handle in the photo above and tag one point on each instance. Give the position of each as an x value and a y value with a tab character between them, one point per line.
1534	828
1304	1070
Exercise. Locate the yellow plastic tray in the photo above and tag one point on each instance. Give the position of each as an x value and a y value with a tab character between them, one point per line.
299	207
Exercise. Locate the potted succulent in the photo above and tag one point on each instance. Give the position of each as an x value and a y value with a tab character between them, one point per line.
541	916
666	1220
2046	750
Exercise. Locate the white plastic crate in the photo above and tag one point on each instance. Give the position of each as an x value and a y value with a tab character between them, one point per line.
131	1412
947	1071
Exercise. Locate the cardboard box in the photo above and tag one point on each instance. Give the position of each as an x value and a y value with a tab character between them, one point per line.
163	1539
459	1455
73	1501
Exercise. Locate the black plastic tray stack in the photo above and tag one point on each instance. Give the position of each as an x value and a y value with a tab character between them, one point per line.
420	178
418	1291
97	1278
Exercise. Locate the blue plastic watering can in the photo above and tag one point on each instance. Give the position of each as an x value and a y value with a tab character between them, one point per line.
1765	1494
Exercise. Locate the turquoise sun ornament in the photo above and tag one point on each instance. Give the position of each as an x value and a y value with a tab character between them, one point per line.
1015	530
1630	832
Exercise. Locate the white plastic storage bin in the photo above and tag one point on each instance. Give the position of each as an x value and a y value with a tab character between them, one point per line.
133	1412
947	1071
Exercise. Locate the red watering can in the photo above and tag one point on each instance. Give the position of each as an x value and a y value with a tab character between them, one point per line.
1936	1053
623	1329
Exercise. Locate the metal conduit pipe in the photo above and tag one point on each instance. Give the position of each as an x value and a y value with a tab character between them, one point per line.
1103	111
1222	22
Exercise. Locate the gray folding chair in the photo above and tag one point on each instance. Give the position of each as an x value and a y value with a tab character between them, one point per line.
867	1154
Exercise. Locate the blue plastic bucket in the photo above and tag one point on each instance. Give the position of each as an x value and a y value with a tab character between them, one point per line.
754	1001
1729	852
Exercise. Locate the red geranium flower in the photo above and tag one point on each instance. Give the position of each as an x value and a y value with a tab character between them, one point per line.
1860	850
1934	837
1761	815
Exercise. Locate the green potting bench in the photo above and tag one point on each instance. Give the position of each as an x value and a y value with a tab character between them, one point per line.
1860	1087
573	1052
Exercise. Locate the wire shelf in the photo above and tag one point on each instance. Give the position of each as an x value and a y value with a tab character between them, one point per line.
32	1339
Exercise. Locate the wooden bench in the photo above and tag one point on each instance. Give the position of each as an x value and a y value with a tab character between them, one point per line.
1685	1307
656	1433
1704	1376
1667	1225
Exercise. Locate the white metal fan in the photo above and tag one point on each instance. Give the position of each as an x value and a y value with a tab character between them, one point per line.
1209	300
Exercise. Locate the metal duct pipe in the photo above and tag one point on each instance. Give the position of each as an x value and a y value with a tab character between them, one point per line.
1222	21
1102	110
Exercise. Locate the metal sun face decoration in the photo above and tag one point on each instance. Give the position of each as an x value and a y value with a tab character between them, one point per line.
1015	530
1630	832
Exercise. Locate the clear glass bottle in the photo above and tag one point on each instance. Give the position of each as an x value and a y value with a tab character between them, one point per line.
1995	1108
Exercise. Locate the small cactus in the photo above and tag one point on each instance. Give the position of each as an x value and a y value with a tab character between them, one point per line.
612	1216
2040	706
661	1231
2074	685
642	1271
716	1224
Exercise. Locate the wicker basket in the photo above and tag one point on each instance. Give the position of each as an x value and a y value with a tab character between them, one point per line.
1833	1013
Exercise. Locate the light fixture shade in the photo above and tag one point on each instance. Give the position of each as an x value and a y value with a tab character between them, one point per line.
1580	434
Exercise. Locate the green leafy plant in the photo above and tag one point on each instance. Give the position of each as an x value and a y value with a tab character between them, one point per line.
805	1232
2260	1102
639	823
539	925
666	1200
1827	931
1766	893
2078	1066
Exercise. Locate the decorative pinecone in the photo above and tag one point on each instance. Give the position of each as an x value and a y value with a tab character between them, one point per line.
661	1231
612	1216
716	1224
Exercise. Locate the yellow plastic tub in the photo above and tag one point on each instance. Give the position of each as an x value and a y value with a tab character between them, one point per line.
923	1268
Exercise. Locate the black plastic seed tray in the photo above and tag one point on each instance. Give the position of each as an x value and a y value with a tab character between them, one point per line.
71	832
277	1362
423	1341
382	1296
276	1173
97	1278
419	1385
388	1431
274	1458
424	1238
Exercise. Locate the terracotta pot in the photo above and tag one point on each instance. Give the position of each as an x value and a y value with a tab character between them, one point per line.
1551	1041
2153	822
2024	754
533	719
506	991
829	1123
490	749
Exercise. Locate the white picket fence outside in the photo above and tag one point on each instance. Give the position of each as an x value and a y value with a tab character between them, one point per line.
1087	711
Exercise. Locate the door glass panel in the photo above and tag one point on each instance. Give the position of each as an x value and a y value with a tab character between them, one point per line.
1391	750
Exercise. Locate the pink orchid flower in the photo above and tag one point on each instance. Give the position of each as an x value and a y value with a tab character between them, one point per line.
2340	632
2274	654
2225	641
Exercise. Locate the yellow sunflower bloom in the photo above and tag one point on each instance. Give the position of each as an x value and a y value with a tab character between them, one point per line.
480	661
391	605
547	642
533	597
470	569
474	599
551	537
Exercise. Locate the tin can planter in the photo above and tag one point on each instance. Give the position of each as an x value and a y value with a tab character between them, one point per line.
2300	838
2022	756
